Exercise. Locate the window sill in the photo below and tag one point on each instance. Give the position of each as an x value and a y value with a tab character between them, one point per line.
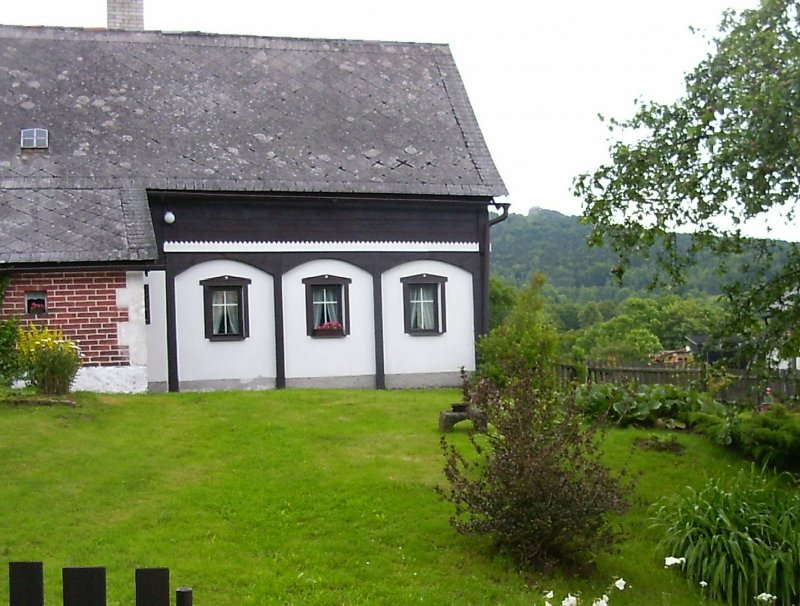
424	333
226	338
327	334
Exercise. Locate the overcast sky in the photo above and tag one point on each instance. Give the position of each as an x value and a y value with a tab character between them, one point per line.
537	73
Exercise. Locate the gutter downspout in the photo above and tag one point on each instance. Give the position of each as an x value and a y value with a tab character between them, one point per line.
503	206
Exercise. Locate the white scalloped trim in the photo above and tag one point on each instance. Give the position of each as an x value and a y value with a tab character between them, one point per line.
259	247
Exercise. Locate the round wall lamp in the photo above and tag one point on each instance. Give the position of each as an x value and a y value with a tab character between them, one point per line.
169	217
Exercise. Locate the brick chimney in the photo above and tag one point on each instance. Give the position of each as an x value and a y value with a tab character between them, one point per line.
125	14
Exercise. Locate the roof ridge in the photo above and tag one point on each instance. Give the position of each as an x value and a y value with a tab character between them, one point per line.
212	38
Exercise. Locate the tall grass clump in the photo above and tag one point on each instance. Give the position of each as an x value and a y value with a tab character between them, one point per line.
49	359
741	538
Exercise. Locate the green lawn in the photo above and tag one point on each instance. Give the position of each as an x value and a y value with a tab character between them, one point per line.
288	497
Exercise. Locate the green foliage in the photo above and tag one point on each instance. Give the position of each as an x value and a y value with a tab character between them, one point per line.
526	339
769	437
742	538
49	359
727	152
620	339
556	246
502	299
536	484
9	357
663	405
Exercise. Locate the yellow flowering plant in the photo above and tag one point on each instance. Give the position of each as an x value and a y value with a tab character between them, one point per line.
49	359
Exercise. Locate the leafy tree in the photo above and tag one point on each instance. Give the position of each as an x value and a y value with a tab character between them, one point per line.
590	314
502	298
621	339
725	153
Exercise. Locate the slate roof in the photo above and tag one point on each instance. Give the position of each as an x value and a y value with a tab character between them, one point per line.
130	111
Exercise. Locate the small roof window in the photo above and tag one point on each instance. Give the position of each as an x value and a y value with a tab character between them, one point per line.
34	138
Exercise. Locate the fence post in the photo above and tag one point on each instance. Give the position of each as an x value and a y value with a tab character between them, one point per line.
26	584
183	596
152	587
84	586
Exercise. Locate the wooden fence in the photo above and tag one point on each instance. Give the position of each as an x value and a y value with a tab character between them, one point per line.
86	586
732	385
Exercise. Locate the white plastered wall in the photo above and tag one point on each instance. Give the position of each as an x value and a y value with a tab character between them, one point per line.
157	331
329	362
428	360
205	364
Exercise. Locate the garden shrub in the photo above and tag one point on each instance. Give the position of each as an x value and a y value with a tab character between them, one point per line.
524	339
741	537
50	360
769	437
9	356
535	483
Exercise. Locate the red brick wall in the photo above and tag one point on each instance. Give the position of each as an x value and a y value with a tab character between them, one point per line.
82	303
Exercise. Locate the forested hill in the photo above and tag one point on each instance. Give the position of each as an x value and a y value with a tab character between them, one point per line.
547	242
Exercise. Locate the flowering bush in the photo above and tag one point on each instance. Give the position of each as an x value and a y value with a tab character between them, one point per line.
330	326
50	360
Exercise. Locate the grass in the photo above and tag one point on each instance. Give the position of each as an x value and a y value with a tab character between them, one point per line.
290	497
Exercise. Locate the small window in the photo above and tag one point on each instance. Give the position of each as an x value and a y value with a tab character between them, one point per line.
34	138
225	308
147	304
424	304
327	306
36	303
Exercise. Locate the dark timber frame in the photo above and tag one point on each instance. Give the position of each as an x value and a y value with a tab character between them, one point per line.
285	217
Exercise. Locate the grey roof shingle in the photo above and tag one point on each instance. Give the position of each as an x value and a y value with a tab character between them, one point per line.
74	225
138	110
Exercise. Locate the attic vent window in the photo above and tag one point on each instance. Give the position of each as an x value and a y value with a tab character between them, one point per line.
34	138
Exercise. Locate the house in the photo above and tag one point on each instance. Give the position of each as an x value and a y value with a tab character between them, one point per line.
208	211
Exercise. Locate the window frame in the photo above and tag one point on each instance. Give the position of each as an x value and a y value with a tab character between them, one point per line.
34	138
439	304
223	283
327	280
32	297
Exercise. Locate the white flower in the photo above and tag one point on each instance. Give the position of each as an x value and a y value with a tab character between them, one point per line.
767	598
601	602
570	600
670	561
620	584
703	584
549	595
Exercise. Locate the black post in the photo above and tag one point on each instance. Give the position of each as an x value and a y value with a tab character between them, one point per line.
85	586
26	584
183	596
152	587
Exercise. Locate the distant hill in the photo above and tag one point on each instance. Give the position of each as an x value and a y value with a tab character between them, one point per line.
547	242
